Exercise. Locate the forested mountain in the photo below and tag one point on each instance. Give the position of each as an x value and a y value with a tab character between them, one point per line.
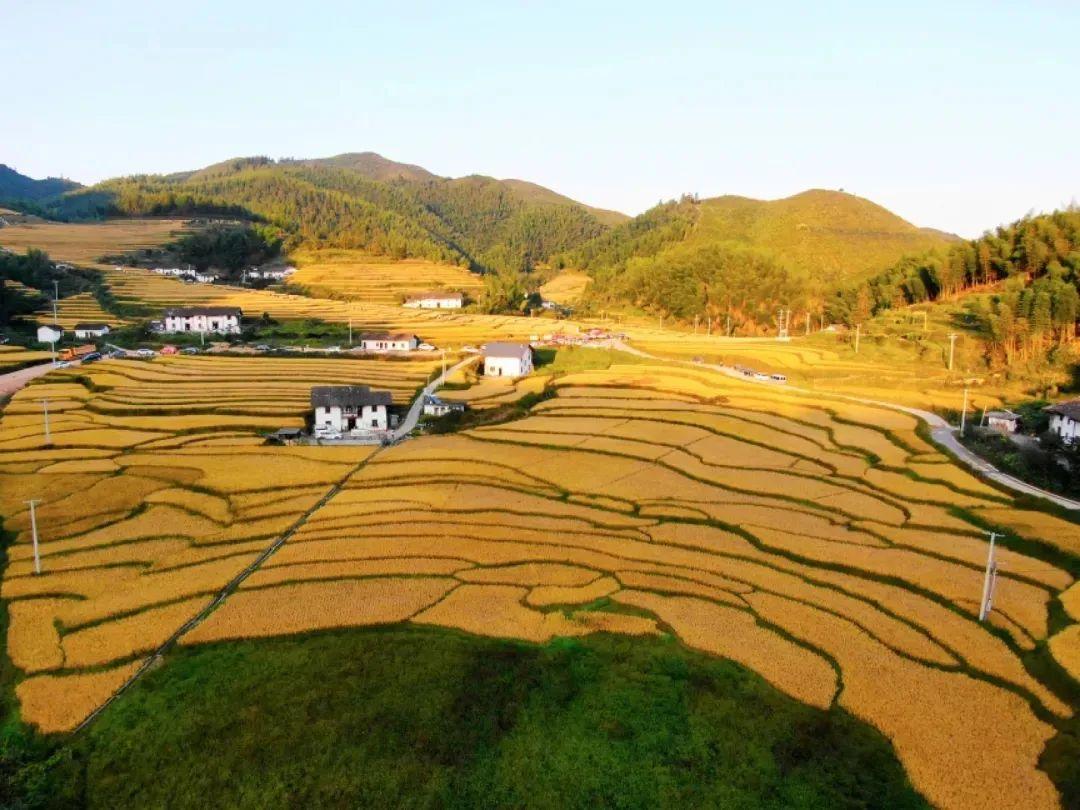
1021	282
15	187
363	201
742	257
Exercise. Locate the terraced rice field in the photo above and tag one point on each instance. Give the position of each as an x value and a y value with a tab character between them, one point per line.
566	288
351	275
86	243
823	545
81	308
13	357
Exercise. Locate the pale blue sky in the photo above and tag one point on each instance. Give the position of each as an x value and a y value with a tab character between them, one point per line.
955	115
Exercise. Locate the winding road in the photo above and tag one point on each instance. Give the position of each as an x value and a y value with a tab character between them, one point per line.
14	380
942	433
417	407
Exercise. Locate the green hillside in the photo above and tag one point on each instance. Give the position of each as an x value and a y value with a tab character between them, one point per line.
734	255
363	201
15	187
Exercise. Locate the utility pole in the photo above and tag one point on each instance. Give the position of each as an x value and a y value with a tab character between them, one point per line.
727	331
963	413
350	333
52	343
709	318
56	295
808	322
989	581
45	407
982	421
952	347
858	332
443	364
33	532
695	324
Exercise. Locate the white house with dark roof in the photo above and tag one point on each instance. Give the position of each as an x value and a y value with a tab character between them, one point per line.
1003	421
89	330
224	320
349	409
1065	420
507	359
389	342
439	299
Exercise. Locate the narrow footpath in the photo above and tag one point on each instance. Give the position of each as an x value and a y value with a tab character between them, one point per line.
417	407
942	433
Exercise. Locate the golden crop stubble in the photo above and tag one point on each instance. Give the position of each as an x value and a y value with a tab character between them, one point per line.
1065	647
60	702
301	607
954	735
122	638
32	640
735	634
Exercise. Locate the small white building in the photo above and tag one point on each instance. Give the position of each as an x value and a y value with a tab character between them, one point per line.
507	359
434	406
435	300
272	273
1003	421
1065	420
349	409
389	342
91	330
225	320
49	333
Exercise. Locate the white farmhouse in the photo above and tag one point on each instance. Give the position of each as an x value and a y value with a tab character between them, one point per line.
90	330
49	333
435	300
1065	420
389	342
507	359
349	409
435	406
1003	421
225	320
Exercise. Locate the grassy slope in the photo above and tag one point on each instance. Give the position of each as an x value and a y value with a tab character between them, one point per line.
425	718
826	235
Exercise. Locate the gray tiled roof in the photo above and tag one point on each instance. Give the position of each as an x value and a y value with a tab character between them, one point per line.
327	396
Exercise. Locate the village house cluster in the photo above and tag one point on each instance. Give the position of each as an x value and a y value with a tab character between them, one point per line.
208	277
54	333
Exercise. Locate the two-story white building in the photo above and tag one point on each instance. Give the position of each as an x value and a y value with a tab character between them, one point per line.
91	330
349	409
435	300
389	342
1065	420
224	320
507	359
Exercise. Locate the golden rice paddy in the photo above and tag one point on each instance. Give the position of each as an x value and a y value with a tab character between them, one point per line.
808	540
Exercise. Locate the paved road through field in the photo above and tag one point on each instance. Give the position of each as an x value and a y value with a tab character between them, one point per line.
413	416
943	434
14	380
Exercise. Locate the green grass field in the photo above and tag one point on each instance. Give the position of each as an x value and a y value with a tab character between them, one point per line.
426	718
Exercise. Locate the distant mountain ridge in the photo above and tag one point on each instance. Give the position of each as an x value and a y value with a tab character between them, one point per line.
15	187
363	200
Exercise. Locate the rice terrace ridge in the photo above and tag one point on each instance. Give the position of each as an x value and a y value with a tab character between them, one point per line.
350	482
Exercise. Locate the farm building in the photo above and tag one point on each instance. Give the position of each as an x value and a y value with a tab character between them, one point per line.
435	300
49	333
272	274
389	342
1004	421
89	330
433	406
507	359
344	409
1065	420
203	319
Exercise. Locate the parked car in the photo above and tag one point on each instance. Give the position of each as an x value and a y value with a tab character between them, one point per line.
760	375
426	347
63	364
470	350
93	357
116	353
263	347
145	353
169	350
190	350
333	349
780	378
